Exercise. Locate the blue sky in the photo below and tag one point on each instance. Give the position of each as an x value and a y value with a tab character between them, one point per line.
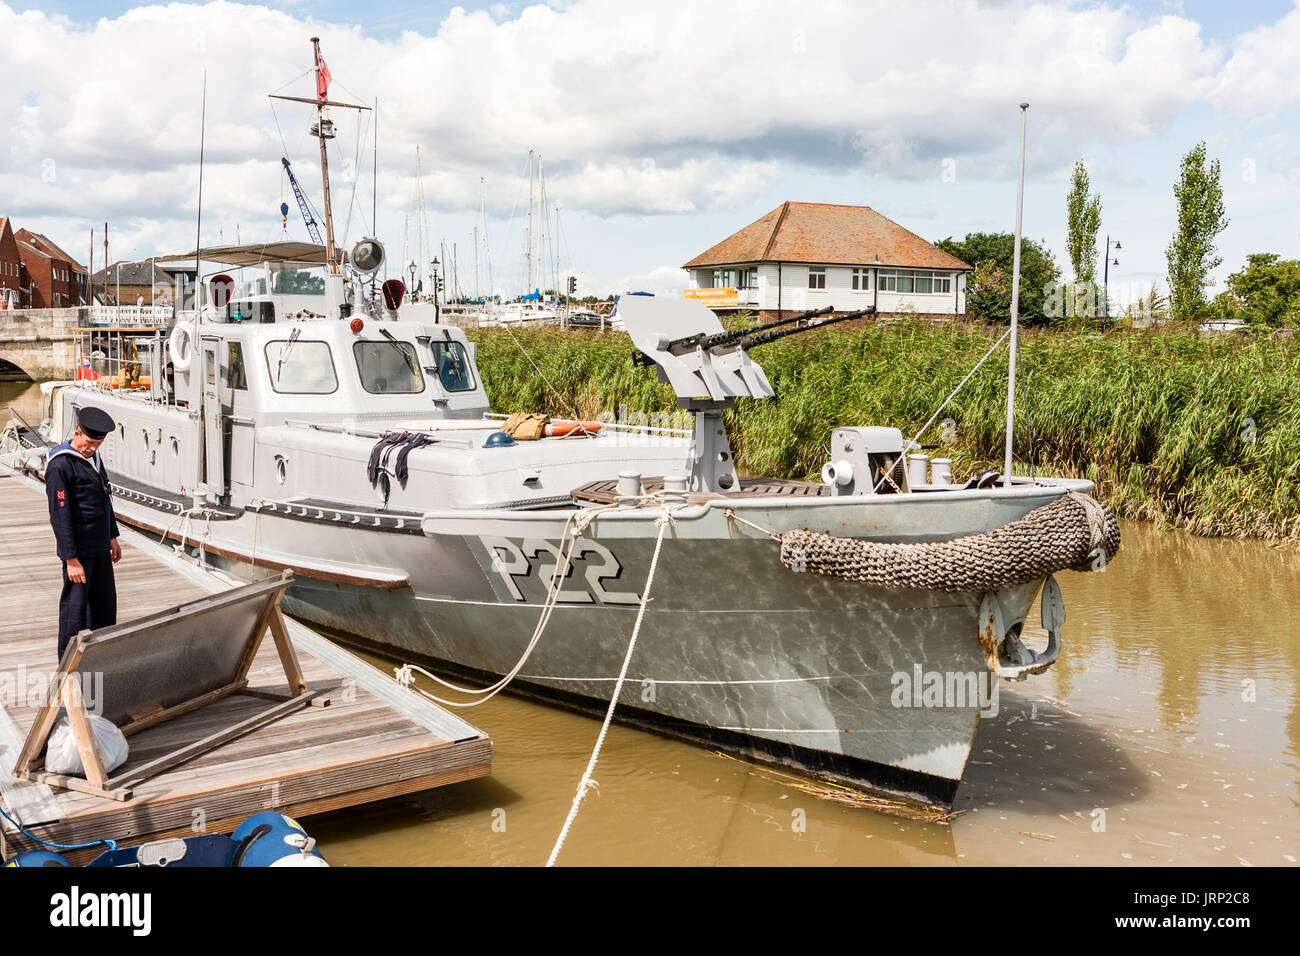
664	128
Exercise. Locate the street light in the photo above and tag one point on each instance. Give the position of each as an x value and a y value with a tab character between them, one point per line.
433	267
1106	275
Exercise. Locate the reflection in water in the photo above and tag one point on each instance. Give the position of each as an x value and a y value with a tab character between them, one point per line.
25	397
1166	734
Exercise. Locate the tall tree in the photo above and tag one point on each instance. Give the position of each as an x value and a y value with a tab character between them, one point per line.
988	291
1083	219
1191	253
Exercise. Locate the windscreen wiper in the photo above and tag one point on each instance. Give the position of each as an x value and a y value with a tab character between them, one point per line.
410	362
293	337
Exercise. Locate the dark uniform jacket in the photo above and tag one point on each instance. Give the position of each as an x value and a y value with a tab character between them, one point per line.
81	507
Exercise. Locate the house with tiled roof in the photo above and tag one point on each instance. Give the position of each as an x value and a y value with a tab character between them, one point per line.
803	256
11	267
52	278
125	283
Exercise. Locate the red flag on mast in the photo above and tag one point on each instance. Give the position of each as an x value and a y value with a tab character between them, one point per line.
323	80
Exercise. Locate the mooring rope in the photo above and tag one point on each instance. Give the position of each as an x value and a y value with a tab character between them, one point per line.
586	782
574	527
111	844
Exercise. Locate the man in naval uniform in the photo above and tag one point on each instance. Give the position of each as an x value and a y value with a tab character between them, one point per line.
81	512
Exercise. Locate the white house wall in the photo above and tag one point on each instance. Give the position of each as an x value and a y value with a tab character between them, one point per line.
839	292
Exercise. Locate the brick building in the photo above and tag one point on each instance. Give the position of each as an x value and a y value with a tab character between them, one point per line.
52	279
11	267
803	256
133	281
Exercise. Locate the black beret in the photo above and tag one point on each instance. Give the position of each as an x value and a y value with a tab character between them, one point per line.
94	422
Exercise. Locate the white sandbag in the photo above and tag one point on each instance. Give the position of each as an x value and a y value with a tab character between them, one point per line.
62	756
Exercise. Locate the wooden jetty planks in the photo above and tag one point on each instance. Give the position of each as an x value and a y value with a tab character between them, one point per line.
375	740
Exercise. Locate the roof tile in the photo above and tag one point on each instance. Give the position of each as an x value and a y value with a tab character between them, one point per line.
831	234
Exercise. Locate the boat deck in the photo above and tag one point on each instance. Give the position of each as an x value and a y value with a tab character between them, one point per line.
374	740
605	491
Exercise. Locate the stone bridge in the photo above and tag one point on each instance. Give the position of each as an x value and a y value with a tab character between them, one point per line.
41	342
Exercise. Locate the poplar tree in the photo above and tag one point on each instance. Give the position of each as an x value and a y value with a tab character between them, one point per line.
1191	253
1083	219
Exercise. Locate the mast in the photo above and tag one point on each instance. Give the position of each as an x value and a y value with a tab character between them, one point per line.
90	271
419	220
541	210
528	240
323	124
1015	301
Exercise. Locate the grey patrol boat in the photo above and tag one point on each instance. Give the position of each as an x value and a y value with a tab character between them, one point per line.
355	446
854	629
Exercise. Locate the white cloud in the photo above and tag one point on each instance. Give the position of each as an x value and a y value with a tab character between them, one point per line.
671	108
1259	78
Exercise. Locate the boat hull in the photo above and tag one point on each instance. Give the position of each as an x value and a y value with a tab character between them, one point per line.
881	689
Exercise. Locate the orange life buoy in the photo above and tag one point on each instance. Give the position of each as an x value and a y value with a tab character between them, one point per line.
559	429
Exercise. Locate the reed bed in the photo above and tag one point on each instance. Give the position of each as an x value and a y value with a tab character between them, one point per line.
1198	432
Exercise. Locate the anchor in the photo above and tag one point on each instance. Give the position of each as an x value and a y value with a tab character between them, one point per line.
1007	656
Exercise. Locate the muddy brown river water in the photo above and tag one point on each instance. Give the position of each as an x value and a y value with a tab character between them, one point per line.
1168	733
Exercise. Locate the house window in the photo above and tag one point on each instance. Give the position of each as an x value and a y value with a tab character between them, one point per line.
861	280
816	277
924	283
724	278
748	279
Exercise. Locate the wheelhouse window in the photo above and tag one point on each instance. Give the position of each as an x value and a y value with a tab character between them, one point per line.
861	280
452	366
388	367
816	277
301	368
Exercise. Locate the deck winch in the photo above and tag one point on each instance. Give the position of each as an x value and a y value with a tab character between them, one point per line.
864	461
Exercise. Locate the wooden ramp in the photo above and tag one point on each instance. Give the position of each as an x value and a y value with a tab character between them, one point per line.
374	740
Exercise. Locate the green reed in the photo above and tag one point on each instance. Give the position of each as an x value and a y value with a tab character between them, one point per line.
1201	432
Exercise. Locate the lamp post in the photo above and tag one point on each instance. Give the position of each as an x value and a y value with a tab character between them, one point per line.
1105	281
411	269
433	269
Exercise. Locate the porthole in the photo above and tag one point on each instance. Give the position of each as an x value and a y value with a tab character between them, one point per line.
145	433
281	469
176	448
384	487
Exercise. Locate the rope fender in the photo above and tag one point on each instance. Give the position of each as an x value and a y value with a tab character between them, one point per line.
1074	532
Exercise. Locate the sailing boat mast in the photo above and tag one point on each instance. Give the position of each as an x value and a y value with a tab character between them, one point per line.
419	220
541	211
528	240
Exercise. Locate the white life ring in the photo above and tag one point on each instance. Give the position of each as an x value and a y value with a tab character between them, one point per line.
181	359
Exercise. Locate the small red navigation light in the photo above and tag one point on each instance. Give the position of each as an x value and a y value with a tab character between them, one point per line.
356	325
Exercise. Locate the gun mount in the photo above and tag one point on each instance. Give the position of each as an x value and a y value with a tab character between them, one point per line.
708	367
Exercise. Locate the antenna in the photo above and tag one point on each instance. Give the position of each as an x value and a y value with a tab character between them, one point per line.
1015	301
198	226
